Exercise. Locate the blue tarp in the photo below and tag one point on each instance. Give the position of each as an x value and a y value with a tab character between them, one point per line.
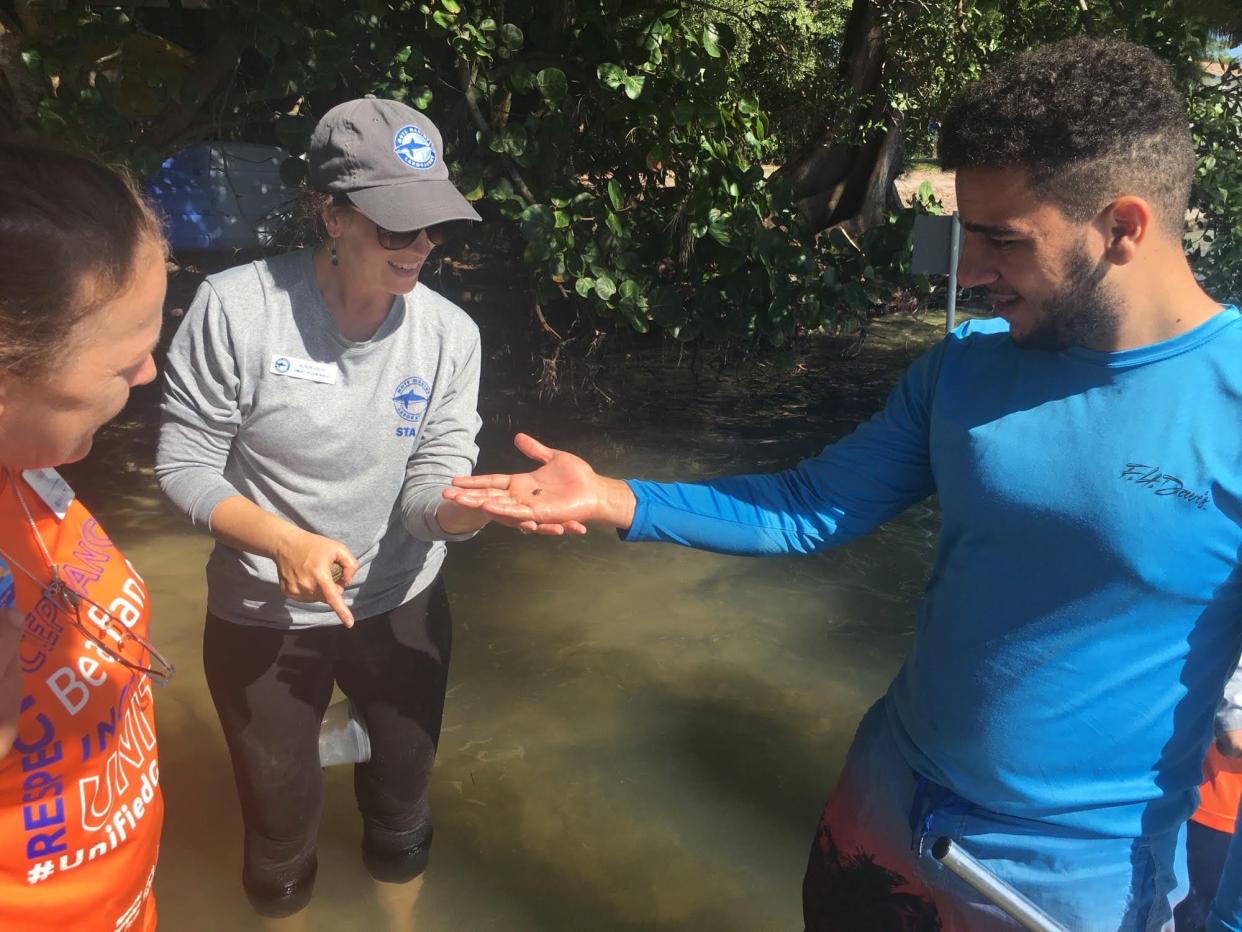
222	195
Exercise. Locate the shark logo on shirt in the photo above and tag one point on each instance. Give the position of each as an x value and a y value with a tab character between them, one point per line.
410	399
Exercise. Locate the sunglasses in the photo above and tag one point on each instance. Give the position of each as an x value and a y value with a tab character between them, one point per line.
108	633
392	240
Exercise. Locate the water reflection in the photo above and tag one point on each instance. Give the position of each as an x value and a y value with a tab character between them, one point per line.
636	737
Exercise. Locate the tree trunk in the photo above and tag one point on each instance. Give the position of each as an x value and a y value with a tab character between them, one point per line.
18	95
840	180
212	69
20	92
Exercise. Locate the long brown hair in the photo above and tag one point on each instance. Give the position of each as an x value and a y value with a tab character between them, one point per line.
71	232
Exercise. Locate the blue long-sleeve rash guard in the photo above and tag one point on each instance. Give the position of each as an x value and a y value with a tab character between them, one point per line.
1085	606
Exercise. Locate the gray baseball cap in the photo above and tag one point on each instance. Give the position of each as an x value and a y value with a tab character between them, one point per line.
389	160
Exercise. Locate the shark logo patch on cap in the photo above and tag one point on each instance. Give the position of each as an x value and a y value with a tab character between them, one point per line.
414	147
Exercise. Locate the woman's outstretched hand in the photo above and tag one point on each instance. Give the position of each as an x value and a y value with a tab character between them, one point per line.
559	497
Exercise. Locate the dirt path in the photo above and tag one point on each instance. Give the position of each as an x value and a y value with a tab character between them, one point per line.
941	182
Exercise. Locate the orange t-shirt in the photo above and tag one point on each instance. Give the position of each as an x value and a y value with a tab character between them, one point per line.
80	804
1220	793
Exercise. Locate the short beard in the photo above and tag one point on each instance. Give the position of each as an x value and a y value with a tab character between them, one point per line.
1080	313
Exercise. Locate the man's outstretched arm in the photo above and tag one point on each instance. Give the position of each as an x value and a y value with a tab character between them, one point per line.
848	489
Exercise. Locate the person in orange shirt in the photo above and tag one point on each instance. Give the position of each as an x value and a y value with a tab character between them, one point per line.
81	302
1212	826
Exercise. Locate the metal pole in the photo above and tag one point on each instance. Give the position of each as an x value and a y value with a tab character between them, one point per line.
992	888
955	232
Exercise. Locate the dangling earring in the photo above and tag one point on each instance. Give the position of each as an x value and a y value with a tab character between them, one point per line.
332	253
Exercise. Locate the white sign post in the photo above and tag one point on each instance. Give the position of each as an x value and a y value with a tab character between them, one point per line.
937	248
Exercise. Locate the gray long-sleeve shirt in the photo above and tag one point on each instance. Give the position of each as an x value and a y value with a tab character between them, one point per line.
353	440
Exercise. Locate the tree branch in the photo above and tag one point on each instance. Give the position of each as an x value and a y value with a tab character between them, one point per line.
466	74
28	14
730	14
543	323
24	91
219	63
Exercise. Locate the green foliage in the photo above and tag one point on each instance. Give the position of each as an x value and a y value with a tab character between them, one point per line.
937	46
785	55
134	85
625	149
620	150
1184	32
1216	237
789	63
644	161
634	171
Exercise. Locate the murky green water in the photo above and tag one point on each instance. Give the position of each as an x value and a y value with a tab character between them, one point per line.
636	736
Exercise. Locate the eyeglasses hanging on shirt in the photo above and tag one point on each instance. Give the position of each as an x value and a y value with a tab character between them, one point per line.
114	639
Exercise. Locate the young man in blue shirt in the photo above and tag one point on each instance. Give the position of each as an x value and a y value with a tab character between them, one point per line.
1085	606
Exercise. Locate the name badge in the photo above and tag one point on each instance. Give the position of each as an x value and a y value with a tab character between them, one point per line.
49	486
294	368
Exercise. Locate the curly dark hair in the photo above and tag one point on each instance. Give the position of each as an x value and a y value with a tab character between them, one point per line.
308	209
1087	119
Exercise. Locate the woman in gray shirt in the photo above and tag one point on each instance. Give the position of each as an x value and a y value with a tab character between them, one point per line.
316	405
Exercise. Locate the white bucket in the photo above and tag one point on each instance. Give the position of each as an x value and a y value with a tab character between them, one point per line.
343	737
